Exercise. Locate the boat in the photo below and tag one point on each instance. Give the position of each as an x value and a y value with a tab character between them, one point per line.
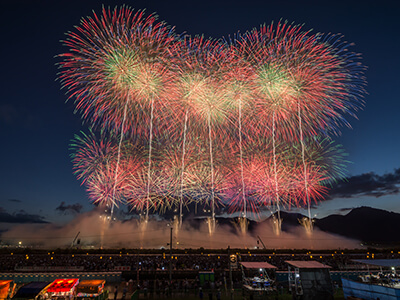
383	285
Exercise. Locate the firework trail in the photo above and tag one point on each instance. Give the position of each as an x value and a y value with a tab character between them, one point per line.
175	157
239	89
211	222
277	198
119	156
149	162
183	169
241	160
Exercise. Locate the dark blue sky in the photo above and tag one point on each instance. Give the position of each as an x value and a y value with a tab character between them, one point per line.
36	125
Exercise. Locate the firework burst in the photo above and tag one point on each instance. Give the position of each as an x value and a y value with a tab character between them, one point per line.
91	153
245	122
115	61
293	66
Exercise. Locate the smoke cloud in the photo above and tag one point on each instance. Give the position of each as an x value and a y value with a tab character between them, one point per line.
96	231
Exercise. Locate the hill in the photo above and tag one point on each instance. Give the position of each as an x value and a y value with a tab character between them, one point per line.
369	225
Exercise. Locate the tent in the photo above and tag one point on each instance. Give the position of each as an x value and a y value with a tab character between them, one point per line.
258	279
309	280
62	288
6	289
31	290
91	289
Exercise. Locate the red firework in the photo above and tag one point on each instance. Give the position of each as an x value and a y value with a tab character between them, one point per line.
199	89
91	154
106	188
299	75
114	65
310	186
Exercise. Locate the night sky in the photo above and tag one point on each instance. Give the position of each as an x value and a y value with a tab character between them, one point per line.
37	124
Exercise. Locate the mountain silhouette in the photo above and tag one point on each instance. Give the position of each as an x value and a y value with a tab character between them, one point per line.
369	225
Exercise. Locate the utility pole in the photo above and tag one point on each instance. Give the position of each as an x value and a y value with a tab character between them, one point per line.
170	257
230	272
